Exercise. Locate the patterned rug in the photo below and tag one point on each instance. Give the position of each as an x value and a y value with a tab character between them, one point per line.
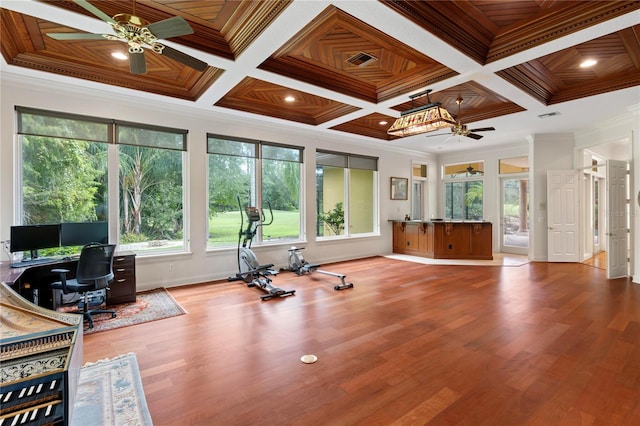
110	393
149	306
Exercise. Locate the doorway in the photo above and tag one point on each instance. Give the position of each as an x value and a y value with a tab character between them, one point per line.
515	215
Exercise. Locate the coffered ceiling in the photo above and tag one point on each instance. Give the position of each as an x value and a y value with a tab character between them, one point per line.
350	66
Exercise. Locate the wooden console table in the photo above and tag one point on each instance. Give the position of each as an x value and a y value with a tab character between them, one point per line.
443	239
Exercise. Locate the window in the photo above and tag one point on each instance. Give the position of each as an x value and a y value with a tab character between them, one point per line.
64	176
418	191
513	165
151	187
64	169
346	194
247	172
463	191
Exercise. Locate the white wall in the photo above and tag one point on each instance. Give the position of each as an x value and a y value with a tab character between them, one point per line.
200	265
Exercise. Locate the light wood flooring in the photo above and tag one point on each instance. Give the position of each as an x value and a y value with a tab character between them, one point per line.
411	344
599	260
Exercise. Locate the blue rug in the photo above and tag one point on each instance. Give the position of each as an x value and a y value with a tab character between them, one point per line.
110	393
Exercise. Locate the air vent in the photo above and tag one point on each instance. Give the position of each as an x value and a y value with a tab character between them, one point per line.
361	59
550	114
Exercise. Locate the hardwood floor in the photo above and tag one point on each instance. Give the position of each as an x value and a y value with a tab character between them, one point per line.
599	260
411	344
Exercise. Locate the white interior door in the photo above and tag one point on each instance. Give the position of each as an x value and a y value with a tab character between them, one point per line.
616	222
562	216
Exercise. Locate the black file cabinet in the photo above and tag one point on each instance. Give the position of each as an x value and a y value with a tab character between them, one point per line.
123	287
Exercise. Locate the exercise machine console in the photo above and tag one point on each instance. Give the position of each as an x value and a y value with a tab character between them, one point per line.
249	269
300	266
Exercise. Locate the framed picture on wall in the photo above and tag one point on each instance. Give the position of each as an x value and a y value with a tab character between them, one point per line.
399	188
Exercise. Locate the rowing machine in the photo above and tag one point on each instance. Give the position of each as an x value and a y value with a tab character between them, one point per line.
300	266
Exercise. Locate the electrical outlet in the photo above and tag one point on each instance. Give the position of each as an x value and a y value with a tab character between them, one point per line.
172	267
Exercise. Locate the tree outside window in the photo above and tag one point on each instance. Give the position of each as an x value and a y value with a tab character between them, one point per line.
64	176
463	191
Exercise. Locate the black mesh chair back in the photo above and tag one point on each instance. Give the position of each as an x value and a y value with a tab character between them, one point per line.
95	265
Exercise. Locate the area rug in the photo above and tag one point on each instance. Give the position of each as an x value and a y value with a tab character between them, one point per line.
110	393
149	306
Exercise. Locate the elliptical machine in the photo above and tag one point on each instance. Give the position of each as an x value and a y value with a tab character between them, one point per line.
300	266
249	269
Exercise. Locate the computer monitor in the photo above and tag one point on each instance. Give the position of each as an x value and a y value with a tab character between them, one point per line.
34	237
81	233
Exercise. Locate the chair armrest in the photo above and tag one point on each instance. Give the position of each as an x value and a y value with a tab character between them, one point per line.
63	277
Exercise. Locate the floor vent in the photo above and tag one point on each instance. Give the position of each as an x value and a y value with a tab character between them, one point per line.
361	59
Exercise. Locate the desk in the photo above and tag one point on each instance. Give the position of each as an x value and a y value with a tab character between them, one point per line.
33	282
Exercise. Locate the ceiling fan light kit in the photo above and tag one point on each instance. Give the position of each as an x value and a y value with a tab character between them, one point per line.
423	119
139	35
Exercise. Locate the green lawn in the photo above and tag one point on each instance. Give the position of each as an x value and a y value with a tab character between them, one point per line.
224	227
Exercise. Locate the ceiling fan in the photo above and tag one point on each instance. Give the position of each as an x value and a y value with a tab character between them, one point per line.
470	170
461	129
139	35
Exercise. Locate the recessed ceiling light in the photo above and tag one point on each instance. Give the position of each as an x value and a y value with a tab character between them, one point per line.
119	55
289	99
588	63
382	123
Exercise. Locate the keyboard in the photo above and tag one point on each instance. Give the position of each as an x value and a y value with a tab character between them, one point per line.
31	262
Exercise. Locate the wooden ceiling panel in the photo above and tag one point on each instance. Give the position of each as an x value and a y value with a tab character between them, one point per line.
558	77
479	103
263	98
488	31
322	54
25	44
373	125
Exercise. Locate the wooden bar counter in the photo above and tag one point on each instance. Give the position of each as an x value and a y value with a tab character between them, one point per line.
443	239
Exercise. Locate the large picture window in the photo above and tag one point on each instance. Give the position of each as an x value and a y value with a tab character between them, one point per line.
346	191
64	176
151	187
463	191
259	174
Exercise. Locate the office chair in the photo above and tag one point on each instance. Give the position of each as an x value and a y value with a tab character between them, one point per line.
95	272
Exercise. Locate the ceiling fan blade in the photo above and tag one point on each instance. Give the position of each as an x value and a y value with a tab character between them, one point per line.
482	129
185	59
474	136
76	36
171	27
137	63
439	134
97	12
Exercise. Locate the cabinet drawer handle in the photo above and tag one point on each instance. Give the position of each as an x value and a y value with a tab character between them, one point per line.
121	270
121	281
120	259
